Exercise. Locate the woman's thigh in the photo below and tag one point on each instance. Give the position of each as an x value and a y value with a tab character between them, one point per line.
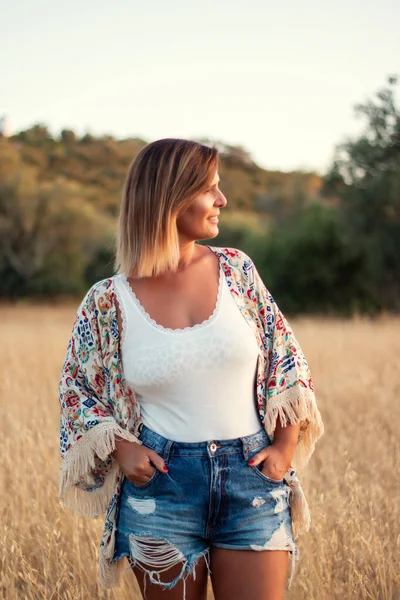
196	589
244	574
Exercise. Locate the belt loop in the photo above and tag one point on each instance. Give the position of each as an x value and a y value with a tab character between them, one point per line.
167	450
139	431
245	447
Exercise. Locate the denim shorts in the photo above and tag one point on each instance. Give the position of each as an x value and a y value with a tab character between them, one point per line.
209	497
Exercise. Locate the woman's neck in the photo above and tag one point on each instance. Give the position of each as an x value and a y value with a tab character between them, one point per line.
188	253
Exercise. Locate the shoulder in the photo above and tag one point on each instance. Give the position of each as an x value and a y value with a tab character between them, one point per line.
234	258
241	267
100	297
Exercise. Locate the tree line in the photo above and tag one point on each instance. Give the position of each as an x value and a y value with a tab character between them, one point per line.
323	245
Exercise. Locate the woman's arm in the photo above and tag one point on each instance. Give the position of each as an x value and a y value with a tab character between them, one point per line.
278	457
88	427
291	413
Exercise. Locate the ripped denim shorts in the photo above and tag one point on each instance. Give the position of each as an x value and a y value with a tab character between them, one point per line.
209	497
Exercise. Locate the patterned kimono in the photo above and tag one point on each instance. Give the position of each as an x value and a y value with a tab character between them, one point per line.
97	404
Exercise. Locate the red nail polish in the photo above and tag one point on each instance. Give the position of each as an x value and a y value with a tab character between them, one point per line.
251	462
165	468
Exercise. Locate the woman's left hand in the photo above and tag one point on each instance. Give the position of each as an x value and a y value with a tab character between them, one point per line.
275	461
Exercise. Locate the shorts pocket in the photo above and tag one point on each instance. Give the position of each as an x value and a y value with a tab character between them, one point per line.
257	471
140	486
156	472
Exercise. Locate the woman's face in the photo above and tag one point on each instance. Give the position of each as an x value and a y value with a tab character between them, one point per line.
200	220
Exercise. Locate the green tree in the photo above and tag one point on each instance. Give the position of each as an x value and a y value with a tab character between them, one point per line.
37	134
49	233
68	136
310	268
366	176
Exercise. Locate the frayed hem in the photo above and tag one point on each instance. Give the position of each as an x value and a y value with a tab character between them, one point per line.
294	556
155	555
296	405
79	462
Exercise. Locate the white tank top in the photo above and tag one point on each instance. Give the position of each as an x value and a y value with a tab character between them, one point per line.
192	384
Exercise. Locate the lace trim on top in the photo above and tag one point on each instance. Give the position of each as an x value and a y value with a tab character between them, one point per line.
168	329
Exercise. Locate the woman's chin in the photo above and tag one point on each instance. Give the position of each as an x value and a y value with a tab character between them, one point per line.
208	233
212	232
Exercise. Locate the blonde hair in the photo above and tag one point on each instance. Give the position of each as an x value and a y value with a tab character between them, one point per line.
162	181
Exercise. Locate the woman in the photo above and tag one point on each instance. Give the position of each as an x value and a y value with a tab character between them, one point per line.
185	398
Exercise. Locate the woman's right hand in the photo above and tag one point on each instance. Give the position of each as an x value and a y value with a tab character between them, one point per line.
137	462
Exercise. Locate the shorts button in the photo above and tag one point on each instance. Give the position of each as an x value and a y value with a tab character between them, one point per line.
213	447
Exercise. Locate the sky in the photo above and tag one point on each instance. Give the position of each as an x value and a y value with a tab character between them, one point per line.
280	80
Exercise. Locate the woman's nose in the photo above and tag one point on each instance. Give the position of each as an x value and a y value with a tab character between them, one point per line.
221	201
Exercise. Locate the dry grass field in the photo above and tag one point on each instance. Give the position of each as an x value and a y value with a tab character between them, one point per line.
353	549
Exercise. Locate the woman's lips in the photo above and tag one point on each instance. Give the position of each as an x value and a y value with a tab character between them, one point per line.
213	219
